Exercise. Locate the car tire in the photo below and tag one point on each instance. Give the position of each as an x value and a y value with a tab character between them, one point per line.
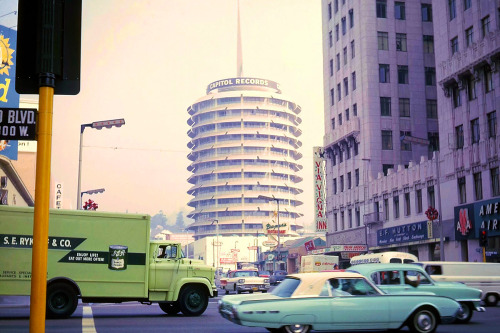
423	320
227	292
62	300
273	330
491	299
170	308
465	314
193	300
296	328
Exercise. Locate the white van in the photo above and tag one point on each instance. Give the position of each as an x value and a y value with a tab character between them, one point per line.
480	275
384	258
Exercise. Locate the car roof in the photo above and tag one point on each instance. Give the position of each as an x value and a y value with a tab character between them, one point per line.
363	268
312	283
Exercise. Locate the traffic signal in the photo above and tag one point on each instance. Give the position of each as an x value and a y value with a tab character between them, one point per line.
483	238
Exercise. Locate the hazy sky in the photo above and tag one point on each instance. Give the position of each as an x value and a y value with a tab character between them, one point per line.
147	61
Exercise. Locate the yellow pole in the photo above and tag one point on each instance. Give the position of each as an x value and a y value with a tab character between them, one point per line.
41	218
484	254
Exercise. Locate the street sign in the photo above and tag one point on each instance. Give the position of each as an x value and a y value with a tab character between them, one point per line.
235	250
17	124
269	243
252	247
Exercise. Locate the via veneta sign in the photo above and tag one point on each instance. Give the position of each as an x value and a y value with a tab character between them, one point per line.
17	124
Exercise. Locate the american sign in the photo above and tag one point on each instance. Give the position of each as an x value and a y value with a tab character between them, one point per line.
319	190
342	248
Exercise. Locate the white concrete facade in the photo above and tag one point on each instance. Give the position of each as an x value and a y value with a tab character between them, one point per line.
379	84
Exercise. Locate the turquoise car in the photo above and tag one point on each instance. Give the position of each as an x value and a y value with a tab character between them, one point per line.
401	278
343	301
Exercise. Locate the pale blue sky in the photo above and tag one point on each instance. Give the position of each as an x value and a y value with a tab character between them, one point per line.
147	61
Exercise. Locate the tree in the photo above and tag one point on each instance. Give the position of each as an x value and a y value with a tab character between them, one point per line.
179	221
158	223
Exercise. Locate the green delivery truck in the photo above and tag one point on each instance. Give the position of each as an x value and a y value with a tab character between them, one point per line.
102	257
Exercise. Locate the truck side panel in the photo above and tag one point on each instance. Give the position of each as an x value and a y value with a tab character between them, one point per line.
105	254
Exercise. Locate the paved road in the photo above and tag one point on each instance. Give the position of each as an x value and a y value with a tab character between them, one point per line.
134	317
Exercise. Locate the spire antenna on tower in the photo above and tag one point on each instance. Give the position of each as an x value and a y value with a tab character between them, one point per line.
239	60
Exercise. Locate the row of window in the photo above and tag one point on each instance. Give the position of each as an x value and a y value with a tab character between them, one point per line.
346	88
349	182
244	124
242	163
404	107
452	7
343	25
211	103
239	188
474	130
347	115
349	219
229	201
344	152
336	8
210	116
400	10
344	62
469	35
403	74
387	141
226	151
471	87
406	202
478	185
244	137
401	42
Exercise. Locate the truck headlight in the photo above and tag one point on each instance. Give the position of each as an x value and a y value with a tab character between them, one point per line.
241	281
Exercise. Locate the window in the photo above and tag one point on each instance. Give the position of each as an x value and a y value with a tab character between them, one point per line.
495	184
433	138
430	76
338	61
478	186
426	12
335	186
337	32
356	148
469	36
358	217
330	10
347	115
346	86
467	4
353	79
485	26
431	196
349	180
340	119
339	93
330	38
333	123
399	11
381	8
356	177
341	183
331	67
405	145
474	128
385	106
351	18
342	225
401	42
386	209
471	88
383	40
383	70
402	74
332	97
452	8
355	109
385	169
418	199
428	44
462	196
404	107
457	101
347	152
345	55
407	204
431	107
459	136
386	140
395	203
488	79
454	45
335	221
492	124
353	50
336	5
349	217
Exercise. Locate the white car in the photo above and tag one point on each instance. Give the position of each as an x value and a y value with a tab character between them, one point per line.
244	280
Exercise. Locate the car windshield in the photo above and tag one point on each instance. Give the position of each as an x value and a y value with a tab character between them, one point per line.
286	287
246	273
264	273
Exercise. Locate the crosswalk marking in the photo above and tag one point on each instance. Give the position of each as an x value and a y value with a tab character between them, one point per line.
88	320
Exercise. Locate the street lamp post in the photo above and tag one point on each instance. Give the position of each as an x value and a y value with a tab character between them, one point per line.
97	125
236	255
217	244
278	203
90	192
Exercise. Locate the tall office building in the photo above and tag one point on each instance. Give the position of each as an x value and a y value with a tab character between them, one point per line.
467	44
244	142
380	106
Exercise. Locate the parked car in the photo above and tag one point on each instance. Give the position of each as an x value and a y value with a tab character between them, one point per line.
241	280
264	274
401	278
344	301
277	277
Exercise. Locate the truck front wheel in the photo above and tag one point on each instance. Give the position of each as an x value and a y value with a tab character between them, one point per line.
61	301
170	308
193	300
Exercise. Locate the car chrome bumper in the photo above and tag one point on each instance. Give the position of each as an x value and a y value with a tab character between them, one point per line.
480	309
254	287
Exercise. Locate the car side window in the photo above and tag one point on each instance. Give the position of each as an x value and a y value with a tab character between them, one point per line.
326	290
375	277
389	278
433	270
165	251
415	277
